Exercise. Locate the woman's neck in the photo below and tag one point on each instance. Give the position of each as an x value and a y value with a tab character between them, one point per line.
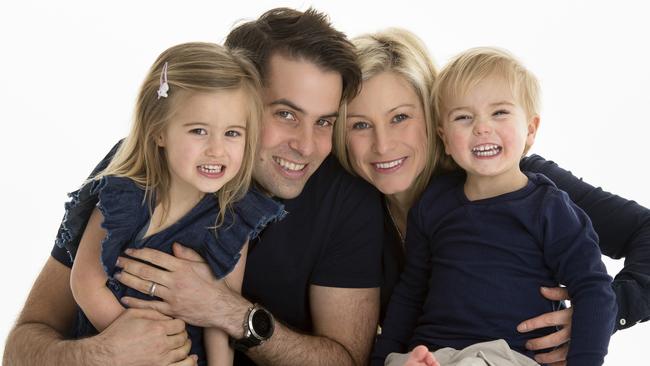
398	208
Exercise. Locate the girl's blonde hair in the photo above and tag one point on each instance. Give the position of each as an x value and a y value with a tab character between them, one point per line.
469	68
403	53
191	68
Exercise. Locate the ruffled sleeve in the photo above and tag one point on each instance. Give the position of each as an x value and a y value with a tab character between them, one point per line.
248	217
122	203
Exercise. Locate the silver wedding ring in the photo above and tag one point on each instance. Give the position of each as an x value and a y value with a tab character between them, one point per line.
152	289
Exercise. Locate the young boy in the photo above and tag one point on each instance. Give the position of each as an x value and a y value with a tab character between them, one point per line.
476	236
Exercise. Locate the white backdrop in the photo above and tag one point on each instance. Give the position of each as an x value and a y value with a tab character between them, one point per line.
69	73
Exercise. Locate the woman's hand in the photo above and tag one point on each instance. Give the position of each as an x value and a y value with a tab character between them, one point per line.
561	318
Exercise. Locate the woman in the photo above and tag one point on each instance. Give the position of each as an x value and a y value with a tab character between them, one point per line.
387	139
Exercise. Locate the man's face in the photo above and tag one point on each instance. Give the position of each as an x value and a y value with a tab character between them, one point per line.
301	103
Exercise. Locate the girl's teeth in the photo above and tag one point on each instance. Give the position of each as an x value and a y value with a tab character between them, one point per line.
213	169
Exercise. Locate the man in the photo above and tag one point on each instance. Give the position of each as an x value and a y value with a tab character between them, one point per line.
315	275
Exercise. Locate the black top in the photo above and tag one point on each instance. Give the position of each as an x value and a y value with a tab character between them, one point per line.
473	271
331	236
623	228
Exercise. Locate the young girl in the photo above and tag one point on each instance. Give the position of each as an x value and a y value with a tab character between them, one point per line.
182	175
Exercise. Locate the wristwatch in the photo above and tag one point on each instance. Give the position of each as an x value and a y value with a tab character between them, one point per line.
258	328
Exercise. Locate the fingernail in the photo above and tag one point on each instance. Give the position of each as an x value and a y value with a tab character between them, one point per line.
522	327
124	301
129	251
117	262
117	275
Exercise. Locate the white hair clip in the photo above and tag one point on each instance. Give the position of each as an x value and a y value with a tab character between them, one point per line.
164	86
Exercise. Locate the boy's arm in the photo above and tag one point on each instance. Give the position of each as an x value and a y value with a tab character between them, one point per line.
88	279
571	251
405	306
216	340
138	337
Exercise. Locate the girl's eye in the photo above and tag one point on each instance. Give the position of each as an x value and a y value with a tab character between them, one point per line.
286	115
399	118
233	133
501	112
199	131
361	125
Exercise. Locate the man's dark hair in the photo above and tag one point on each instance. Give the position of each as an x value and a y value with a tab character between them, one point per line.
297	35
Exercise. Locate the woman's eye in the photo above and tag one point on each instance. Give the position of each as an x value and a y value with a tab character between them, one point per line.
400	118
199	131
233	133
361	125
286	115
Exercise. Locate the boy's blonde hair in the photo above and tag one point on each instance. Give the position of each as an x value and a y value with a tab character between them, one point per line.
403	53
192	68
469	68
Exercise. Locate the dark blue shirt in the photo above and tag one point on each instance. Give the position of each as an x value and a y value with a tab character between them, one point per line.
474	268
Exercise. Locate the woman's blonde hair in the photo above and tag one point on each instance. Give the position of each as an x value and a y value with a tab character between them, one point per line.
470	67
191	68
403	53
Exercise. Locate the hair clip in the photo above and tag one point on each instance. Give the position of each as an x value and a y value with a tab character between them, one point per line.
164	86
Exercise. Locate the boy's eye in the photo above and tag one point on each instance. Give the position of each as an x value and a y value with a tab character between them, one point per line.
322	122
462	117
199	131
286	115
399	118
361	125
501	112
233	133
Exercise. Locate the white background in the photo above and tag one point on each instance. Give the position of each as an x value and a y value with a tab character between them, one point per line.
69	73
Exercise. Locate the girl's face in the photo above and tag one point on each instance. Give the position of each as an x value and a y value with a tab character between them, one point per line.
204	141
386	133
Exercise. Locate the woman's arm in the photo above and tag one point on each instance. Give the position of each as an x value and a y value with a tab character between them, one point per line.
623	228
88	279
216	340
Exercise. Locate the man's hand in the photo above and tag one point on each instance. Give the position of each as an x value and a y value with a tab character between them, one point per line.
187	287
164	339
560	318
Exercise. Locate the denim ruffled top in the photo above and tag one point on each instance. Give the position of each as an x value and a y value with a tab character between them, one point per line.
126	214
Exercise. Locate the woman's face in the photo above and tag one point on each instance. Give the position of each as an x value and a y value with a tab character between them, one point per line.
386	133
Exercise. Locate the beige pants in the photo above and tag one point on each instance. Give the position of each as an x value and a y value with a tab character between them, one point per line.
494	353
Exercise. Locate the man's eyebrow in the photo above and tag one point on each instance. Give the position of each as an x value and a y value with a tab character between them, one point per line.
287	103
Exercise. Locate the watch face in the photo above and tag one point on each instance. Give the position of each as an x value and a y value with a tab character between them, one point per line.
262	323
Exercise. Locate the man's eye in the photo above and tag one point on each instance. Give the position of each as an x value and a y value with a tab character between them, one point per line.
361	125
324	122
286	115
199	131
400	118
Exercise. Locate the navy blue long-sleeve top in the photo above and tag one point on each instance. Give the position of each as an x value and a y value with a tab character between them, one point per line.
474	268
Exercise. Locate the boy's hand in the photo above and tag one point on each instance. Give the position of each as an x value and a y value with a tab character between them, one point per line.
561	318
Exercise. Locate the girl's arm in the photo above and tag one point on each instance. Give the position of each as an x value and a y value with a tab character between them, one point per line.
88	279
216	340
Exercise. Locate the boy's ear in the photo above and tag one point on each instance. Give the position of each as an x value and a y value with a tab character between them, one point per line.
441	133
533	125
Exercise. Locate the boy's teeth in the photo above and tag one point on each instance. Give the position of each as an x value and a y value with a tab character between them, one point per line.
486	150
389	164
213	168
289	165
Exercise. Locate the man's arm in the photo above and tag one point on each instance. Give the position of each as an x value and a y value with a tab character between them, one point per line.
344	319
138	337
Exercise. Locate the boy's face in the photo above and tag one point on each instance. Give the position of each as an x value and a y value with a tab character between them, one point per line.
486	130
301	102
